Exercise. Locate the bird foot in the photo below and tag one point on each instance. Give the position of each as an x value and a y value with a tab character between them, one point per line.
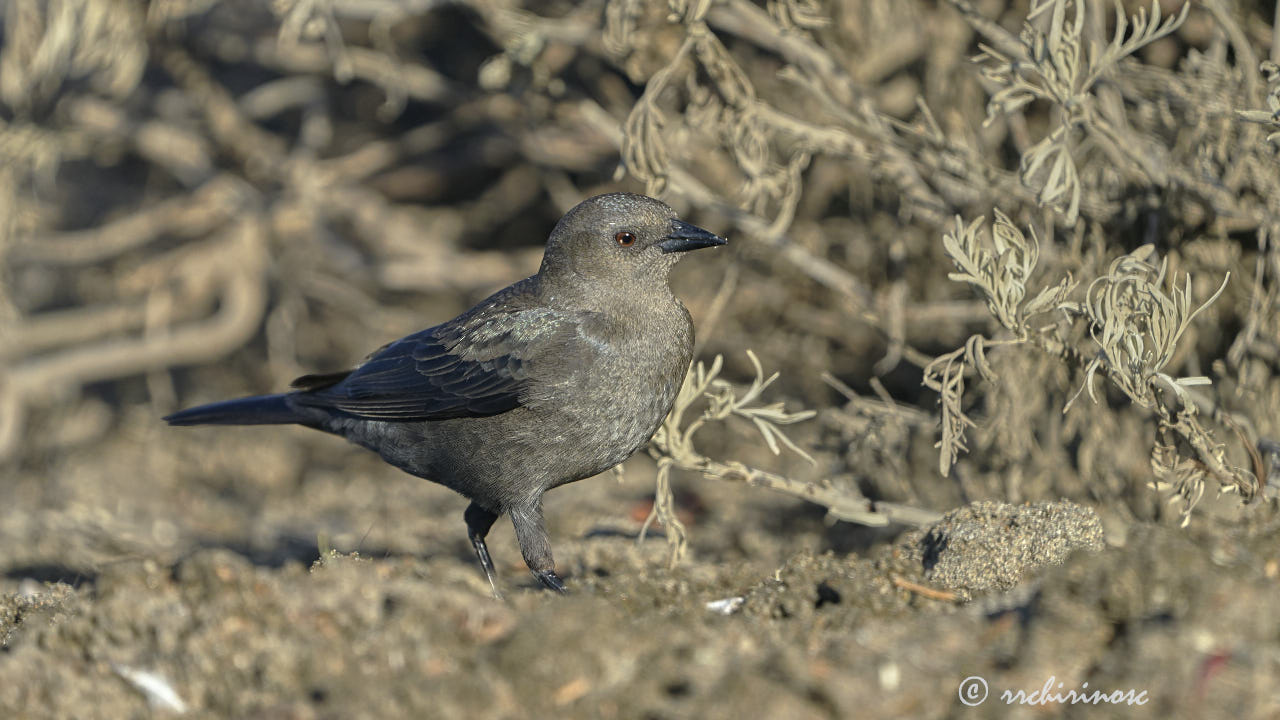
493	584
551	581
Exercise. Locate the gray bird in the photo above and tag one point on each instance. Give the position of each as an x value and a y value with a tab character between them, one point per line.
554	379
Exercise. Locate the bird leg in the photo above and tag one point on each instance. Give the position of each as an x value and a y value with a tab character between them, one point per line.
479	520
531	533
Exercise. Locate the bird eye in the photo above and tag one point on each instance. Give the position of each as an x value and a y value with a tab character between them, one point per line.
625	239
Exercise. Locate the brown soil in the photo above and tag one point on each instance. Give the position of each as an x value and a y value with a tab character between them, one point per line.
219	600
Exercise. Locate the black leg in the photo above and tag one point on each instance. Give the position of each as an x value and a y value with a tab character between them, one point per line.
479	520
531	533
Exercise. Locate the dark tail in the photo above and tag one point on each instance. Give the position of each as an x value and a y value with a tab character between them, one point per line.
257	410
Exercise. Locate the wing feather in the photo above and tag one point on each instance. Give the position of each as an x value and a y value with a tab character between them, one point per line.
474	366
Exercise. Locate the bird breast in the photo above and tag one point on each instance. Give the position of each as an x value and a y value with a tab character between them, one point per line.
627	392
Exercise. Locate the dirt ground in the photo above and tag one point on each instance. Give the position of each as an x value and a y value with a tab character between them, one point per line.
1011	418
163	590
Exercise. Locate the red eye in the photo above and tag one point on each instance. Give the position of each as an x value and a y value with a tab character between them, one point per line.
625	239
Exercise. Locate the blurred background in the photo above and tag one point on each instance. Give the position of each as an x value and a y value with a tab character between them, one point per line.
201	199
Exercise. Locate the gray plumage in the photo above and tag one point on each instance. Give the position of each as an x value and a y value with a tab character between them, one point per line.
553	379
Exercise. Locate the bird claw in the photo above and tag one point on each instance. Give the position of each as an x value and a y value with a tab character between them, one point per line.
551	581
493	584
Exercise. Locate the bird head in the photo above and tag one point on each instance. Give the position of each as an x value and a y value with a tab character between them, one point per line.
621	238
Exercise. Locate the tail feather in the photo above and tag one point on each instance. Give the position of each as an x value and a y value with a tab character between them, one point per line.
256	410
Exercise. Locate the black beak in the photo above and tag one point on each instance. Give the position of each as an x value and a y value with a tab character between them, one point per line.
684	237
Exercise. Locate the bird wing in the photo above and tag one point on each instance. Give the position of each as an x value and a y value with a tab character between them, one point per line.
474	366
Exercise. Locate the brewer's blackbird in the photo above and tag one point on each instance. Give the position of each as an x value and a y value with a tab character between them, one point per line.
554	379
